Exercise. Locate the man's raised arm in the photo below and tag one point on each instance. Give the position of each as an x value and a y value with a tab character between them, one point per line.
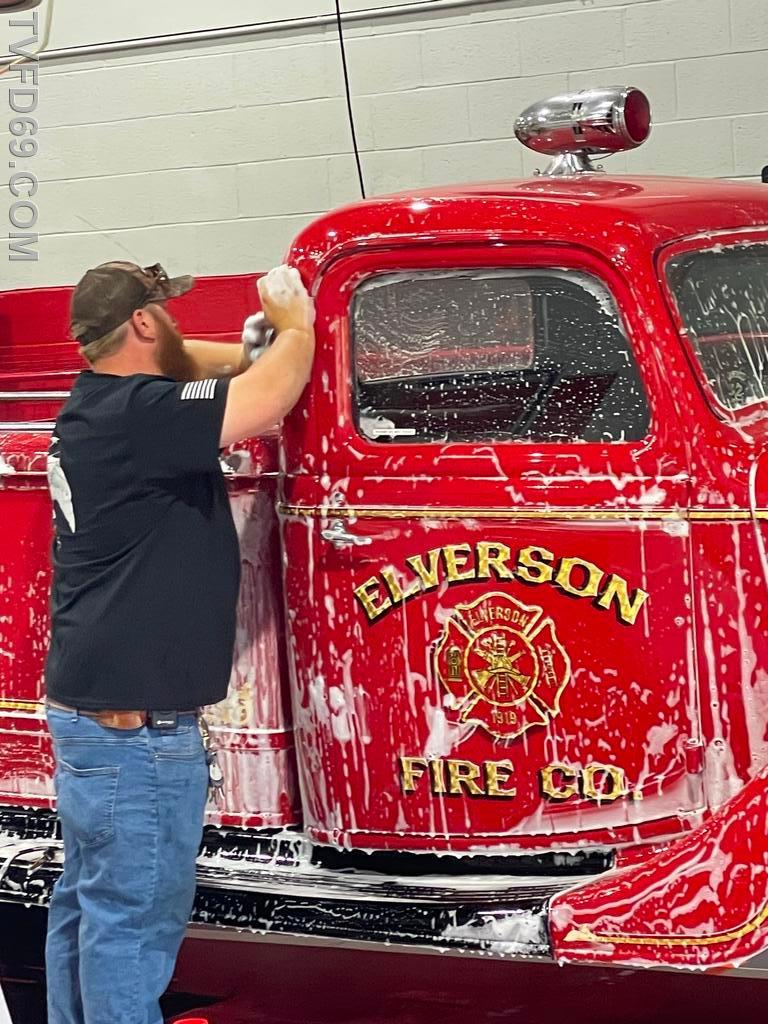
269	389
217	358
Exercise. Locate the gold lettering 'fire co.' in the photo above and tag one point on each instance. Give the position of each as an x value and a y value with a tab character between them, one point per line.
459	563
448	777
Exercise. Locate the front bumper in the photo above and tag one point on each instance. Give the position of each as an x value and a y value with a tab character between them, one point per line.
274	884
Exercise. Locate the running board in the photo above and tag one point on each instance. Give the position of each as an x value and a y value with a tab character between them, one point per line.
271	884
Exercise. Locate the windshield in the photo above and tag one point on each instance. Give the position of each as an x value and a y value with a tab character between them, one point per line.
722	298
491	355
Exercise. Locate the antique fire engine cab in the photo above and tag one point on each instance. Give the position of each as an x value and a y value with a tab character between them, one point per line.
501	675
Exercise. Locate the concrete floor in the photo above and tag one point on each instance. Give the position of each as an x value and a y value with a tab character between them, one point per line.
302	985
258	983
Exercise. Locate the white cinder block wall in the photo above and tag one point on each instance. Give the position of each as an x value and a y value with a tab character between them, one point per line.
210	156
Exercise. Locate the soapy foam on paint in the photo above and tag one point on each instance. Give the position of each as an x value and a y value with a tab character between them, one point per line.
340	720
444	736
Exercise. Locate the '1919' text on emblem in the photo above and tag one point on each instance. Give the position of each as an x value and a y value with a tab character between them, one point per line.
503	667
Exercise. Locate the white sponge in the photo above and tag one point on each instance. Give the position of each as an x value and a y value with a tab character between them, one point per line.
258	335
284	286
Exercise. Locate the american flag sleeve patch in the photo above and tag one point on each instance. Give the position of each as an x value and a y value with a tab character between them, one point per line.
199	389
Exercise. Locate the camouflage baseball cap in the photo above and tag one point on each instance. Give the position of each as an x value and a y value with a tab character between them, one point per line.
106	296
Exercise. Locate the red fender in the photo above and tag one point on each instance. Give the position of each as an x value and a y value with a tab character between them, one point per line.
700	902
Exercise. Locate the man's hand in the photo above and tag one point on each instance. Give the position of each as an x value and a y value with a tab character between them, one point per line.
260	398
285	300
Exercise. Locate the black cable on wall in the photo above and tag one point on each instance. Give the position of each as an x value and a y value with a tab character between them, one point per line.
349	99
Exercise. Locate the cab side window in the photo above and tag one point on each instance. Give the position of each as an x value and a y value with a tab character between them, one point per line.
493	355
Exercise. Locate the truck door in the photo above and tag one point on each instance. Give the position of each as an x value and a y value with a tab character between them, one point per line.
487	562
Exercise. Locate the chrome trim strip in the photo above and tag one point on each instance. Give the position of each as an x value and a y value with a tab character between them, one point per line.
28	427
556	514
303	879
20	396
282	864
416	512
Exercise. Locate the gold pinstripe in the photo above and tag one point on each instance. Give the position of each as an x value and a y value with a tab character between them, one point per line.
567	514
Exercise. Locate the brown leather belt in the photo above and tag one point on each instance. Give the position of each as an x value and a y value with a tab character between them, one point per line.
115	719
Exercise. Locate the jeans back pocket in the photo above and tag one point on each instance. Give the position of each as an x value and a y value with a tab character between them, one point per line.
85	801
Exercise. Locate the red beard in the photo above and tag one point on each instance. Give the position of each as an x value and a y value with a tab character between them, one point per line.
172	358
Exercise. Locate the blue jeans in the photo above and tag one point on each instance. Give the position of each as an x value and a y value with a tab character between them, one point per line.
131	805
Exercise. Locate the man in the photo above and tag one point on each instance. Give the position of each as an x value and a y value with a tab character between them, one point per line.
146	578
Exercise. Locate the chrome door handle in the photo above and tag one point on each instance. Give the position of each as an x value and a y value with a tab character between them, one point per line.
340	537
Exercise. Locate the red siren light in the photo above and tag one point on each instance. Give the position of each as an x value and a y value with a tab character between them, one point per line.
637	116
575	126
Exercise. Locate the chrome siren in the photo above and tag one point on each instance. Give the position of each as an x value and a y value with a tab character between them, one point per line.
577	125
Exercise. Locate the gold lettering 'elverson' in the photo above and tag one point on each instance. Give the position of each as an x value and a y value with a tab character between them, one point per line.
491	560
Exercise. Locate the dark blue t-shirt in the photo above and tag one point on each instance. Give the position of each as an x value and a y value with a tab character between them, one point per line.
146	561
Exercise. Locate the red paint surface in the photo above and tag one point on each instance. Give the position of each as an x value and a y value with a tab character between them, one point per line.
702	902
671	700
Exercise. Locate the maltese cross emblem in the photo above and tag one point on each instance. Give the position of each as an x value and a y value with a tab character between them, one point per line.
502	665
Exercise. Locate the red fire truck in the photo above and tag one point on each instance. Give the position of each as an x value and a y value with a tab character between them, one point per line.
501	674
